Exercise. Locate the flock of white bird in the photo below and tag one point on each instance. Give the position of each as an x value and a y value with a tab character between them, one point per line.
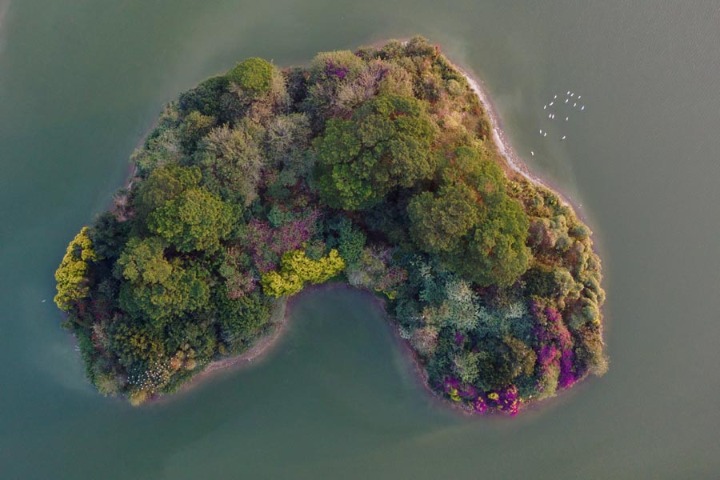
571	104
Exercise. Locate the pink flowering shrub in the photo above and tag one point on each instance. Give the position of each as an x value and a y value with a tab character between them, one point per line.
267	245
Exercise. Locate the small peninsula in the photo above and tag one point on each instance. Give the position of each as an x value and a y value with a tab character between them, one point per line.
380	168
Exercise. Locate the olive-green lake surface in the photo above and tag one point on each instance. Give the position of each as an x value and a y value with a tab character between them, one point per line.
80	83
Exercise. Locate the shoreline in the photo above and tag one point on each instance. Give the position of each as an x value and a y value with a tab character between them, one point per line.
503	146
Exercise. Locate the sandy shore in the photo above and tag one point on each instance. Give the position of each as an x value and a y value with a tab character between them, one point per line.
506	151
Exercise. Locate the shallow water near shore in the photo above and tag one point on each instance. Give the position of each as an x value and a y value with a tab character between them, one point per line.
80	83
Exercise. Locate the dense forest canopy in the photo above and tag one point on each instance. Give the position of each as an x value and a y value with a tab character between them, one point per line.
376	167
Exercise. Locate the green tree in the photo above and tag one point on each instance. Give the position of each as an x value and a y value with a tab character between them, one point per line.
196	220
254	76
162	185
495	253
232	160
195	126
439	221
71	275
386	144
143	261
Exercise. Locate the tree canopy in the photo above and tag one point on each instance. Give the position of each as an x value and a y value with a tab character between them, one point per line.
387	144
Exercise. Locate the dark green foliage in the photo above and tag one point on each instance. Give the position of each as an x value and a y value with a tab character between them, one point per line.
500	362
347	238
205	98
241	320
231	161
163	184
495	253
376	164
385	145
438	221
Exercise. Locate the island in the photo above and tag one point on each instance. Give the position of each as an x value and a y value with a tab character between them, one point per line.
380	168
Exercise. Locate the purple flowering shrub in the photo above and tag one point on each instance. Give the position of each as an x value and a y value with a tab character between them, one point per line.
266	245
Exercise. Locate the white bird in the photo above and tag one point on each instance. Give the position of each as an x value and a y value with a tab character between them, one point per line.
574	105
545	134
566	100
43	301
531	153
579	97
541	131
566	119
568	93
544	107
572	94
555	97
550	115
564	137
551	103
582	108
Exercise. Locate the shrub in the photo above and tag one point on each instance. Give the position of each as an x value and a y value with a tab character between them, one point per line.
296	269
254	76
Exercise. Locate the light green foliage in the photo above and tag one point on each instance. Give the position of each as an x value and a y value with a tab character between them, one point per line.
195	220
71	275
254	76
375	271
466	367
296	269
143	261
231	161
385	145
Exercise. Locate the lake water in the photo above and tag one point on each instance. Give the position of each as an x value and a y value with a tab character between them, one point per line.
80	81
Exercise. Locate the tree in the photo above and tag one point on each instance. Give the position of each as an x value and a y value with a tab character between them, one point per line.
196	220
254	76
231	161
157	289
439	221
162	185
495	253
143	261
386	144
71	275
205	98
